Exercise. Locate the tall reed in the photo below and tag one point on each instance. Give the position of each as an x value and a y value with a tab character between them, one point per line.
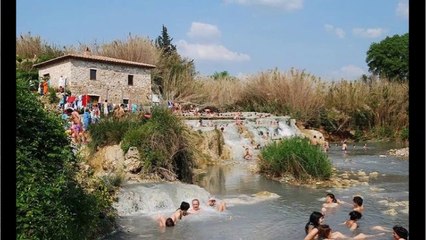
376	108
222	93
134	48
32	49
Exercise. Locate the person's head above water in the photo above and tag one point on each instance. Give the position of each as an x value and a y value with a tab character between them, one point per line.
170	222
324	231
358	200
211	201
184	206
355	215
195	204
332	197
315	218
400	231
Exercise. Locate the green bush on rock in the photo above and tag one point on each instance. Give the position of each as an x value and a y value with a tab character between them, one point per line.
162	142
297	157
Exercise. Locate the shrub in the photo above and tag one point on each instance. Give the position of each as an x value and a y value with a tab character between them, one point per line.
404	135
109	131
295	156
162	142
52	95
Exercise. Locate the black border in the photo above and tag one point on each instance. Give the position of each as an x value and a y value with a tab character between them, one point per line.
417	178
8	135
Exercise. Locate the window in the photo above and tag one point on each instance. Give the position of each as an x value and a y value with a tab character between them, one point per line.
126	103
130	80
92	74
46	76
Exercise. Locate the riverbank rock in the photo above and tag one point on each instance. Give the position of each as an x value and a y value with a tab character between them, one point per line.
314	136
402	153
343	179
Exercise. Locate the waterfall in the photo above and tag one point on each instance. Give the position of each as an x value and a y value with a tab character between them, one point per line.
149	199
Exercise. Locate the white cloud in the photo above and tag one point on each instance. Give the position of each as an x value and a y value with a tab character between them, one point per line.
348	72
338	31
211	52
283	4
204	32
369	32
402	9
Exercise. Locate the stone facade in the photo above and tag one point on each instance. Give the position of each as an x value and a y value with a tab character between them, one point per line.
116	80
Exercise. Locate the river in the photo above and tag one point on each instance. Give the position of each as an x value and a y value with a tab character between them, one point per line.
282	215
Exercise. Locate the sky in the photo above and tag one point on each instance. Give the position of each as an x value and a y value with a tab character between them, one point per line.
325	38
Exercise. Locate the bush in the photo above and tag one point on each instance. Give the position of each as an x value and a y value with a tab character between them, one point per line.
52	96
50	204
162	142
109	131
404	135
297	157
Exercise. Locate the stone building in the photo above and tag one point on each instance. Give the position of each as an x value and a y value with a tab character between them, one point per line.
102	78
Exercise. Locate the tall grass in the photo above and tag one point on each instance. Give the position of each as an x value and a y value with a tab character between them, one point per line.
373	109
177	79
380	107
134	48
32	49
297	157
222	93
294	92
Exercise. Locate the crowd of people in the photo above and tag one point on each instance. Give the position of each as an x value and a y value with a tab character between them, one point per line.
315	228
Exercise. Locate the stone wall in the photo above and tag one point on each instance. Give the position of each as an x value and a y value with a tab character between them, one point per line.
55	71
111	80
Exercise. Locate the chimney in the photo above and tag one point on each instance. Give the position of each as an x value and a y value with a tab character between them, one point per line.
87	52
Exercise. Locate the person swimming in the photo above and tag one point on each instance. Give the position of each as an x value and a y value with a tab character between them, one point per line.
326	233
358	201
354	216
311	228
330	202
195	206
220	207
176	216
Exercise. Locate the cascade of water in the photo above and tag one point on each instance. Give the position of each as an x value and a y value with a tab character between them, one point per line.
284	130
235	141
156	198
166	197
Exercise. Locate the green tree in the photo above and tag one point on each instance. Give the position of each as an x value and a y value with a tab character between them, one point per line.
389	58
220	75
164	42
173	77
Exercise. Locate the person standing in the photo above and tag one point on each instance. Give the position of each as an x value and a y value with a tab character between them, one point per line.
45	87
95	113
61	82
105	106
345	146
